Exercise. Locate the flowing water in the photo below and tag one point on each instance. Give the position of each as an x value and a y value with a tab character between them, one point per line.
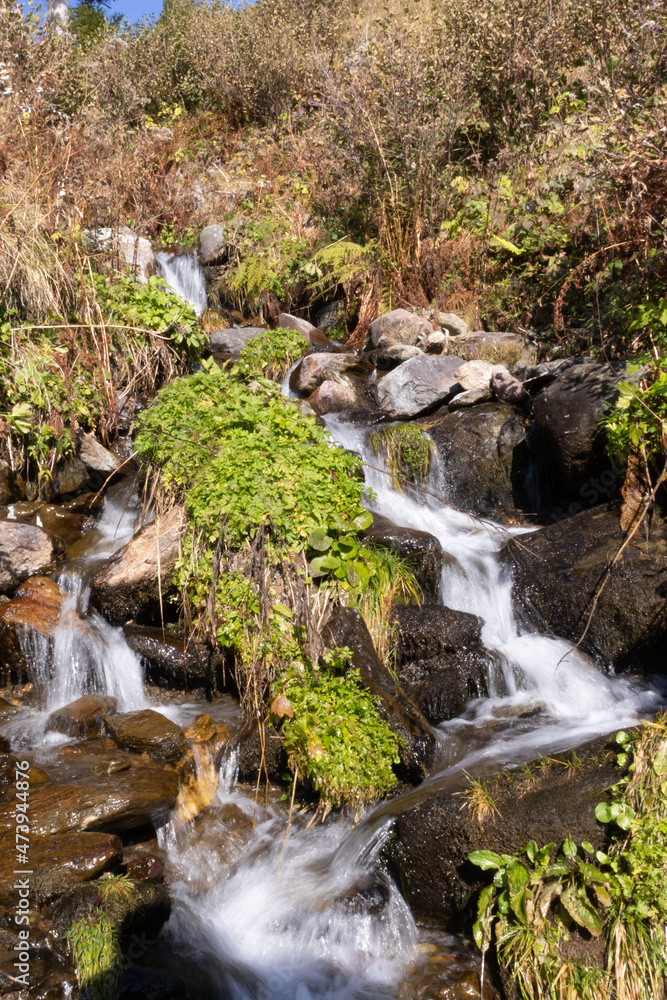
183	273
267	912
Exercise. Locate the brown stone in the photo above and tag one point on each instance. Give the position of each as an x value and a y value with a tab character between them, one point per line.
315	369
147	732
36	606
83	717
57	863
25	550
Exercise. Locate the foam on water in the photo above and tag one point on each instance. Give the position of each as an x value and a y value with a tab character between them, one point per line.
183	273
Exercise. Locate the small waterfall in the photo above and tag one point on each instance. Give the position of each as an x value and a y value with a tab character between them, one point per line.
183	273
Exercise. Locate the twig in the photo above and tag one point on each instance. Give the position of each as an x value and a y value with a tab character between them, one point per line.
289	820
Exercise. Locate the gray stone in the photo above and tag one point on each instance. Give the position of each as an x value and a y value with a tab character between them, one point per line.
398	327
475	375
453	324
335	396
136	251
289	322
506	388
317	368
72	475
233	339
502	348
417	385
95	456
24	551
434	343
472	397
331	315
393	355
212	244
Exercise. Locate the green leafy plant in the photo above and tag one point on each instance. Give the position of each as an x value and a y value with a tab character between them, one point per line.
97	956
406	450
273	353
150	306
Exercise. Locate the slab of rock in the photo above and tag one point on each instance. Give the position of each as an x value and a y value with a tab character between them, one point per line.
423	552
233	340
346	627
501	348
260	754
398	327
557	574
127	585
134	797
475	375
335	396
95	456
36	608
170	661
507	388
289	322
24	551
386	358
317	368
473	397
59	521
58	863
433	839
434	343
147	732
71	476
453	324
136	251
83	718
483	457
212	244
417	385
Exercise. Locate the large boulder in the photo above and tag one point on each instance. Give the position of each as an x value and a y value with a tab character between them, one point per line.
423	552
57	863
134	797
336	396
128	585
346	627
475	375
451	324
212	244
148	732
434	838
233	340
289	322
556	573
568	441
83	718
170	660
71	476
317	368
482	453
509	349
417	385
35	611
398	327
386	358
25	550
96	457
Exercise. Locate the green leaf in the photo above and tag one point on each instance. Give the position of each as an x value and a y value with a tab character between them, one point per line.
570	848
581	911
603	812
486	860
363	521
320	540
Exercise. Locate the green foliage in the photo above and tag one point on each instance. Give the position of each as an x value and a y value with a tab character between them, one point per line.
150	306
638	419
406	450
273	353
537	900
246	454
97	956
335	736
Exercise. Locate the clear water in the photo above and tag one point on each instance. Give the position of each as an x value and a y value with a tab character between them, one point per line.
184	274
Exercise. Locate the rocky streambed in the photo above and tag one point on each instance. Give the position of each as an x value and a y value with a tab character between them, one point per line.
148	798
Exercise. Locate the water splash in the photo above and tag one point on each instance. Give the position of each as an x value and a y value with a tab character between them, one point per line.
183	273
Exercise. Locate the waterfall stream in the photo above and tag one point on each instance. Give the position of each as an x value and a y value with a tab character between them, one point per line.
183	273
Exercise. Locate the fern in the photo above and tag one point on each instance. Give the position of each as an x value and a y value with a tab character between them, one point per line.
343	263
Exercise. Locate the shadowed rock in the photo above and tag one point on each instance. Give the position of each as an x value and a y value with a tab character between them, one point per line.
58	863
83	718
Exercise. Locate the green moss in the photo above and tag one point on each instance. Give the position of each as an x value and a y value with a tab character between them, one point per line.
406	451
273	353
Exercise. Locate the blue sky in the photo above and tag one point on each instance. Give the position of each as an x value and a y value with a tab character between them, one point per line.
133	10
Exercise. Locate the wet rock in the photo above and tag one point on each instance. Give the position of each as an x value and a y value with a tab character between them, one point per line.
568	437
232	341
147	732
431	631
24	551
398	327
317	368
128	586
507	349
71	476
387	358
6	486
557	574
302	326
475	375
260	753
368	897
148	868
5	745
453	324
35	610
470	988
507	388
331	315
142	911
131	798
57	520
423	551
336	396
346	627
95	456
83	718
473	397
212	244
417	385
433	839
58	863
205	731
170	660
483	456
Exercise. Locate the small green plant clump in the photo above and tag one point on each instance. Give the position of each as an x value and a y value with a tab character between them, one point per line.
95	945
406	451
540	898
152	306
273	353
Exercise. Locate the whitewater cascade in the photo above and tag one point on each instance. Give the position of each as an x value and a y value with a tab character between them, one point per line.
183	273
